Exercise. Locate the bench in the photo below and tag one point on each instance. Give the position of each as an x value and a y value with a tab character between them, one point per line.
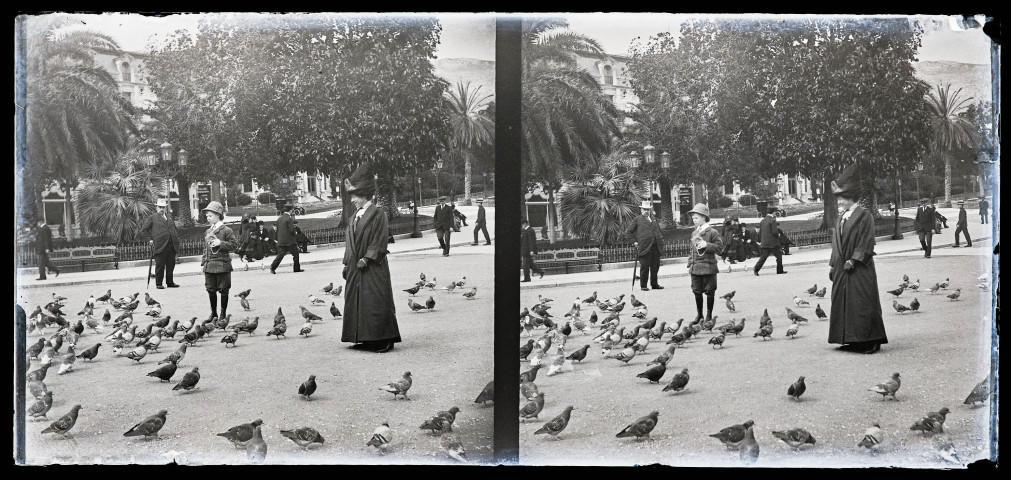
83	256
569	258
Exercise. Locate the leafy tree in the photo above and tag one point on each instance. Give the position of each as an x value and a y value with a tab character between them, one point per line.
951	127
117	196
469	127
598	202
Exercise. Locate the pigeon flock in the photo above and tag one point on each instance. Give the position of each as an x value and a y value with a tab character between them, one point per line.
138	329
559	342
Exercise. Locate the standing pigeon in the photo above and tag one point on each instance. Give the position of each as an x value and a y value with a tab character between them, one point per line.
304	436
678	383
530	375
453	447
430	302
442	422
37	388
873	437
337	291
63	425
821	292
800	302
749	447
412	290
165	372
176	356
308	387
733	435
792	330
813	289
230	338
579	355
533	407
334	311
932	423
381	437
399	387
278	331
244	293
795	437
487	394
641	427
68	361
888	388
327	288
38	374
469	295
979	393
137	354
819	312
915	305
256	449
557	424
314	300
797	389
900	308
306	314
240	435
149	426
41	406
717	340
730	305
954	295
189	381
654	373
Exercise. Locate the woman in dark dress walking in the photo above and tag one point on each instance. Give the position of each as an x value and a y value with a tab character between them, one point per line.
855	319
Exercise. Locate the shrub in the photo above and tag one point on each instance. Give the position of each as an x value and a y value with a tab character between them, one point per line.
747	200
725	202
266	197
242	200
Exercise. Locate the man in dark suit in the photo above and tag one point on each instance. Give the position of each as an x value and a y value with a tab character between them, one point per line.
267	238
162	235
44	245
482	224
924	224
444	221
528	248
768	241
648	238
963	225
984	210
286	242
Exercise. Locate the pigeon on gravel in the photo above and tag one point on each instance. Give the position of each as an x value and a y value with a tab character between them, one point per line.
304	437
149	426
413	290
932	423
749	447
189	381
41	406
557	424
678	383
654	374
900	308
442	422
278	331
717	340
453	446
532	407
469	295
67	363
795	437
240	435
888	388
176	356
640	428
307	388
915	305
948	453
416	307
334	311
164	373
230	339
579	355
731	306
819	312
873	437
979	393
821	292
813	289
530	375
256	449
399	387
38	374
37	388
244	293
487	394
797	389
306	314
314	300
381	437
63	424
733	435
897	291
954	295
137	354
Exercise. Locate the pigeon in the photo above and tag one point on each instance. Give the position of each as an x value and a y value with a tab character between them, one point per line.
230	339
979	393
105	298
41	406
327	288
67	363
792	330
176	356
303	436
641	427
678	383
749	447
313	300
248	327
306	329
579	355
897	291
38	374
381	437
888	388
793	316
532	407
733	435
819	312
337	291
800	301
48	354
450	287
413	290
717	340
948	453
530	375
36	348
813	289
431	285
932	423
954	295
557	424
821	292
63	425
635	302
189	381
453	447
307	388
730	295
900	308
399	387
164	373
149	426
795	437
625	355
934	288
873	437
244	303
764	332
591	299
469	295
797	389
150	301
730	305
487	394
915	285
430	303
241	435
442	422
737	328
654	373
37	388
528	390
526	349
415	306
278	331
137	354
256	448
334	311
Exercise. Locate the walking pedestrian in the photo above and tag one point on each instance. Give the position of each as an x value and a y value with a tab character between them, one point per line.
162	235
444	222
855	320
984	210
216	260
528	248
481	225
768	235
645	231
370	318
962	225
924	224
733	240
286	240
246	228
44	245
705	244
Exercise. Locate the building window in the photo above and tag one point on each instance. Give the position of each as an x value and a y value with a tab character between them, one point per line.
125	72
311	185
608	75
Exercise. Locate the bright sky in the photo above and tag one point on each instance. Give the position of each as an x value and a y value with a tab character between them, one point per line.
463	35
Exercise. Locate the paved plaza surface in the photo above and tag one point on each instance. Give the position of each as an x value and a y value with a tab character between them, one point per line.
941	353
448	351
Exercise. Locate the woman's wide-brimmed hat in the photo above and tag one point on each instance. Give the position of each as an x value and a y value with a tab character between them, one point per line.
847	183
701	209
362	182
215	207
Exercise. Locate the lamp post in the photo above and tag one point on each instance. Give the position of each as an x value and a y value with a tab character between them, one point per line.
897	234
417	199
168	165
649	154
484	185
438	169
916	174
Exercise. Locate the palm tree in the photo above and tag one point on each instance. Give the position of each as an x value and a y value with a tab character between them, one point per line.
599	201
116	196
566	121
74	111
469	128
951	130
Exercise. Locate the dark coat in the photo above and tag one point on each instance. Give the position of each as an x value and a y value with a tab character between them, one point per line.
984	207
962	217
43	239
768	232
481	220
856	304
162	230
286	230
218	259
925	219
528	242
646	233
369	313
443	217
704	263
733	241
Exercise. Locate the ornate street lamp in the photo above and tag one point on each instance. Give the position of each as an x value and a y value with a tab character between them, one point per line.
665	160
438	169
916	174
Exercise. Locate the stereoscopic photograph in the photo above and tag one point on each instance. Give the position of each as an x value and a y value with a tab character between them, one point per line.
176	177
758	240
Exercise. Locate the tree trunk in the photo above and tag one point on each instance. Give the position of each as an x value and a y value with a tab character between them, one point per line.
869	200
185	215
947	180
831	212
466	177
216	191
67	205
666	202
550	214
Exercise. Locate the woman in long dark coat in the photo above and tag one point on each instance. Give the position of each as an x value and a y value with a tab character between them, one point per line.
855	319
370	318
